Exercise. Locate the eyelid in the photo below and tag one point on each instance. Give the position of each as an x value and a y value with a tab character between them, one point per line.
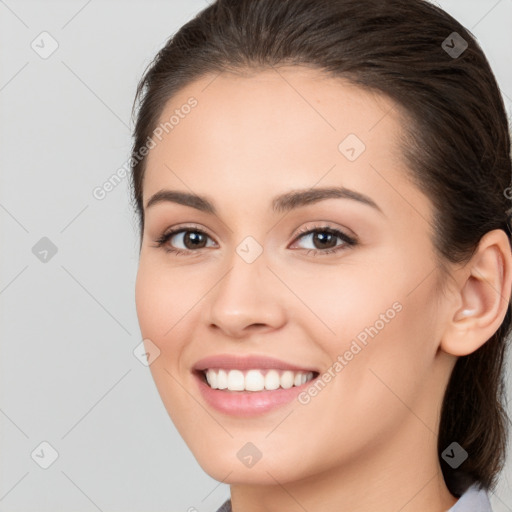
187	227
326	226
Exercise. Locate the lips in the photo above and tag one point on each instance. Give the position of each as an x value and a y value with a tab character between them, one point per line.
249	385
252	373
239	362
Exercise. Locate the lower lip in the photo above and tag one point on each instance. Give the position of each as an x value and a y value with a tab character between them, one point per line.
248	403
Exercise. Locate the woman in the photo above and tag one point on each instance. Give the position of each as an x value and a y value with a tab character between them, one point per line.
325	264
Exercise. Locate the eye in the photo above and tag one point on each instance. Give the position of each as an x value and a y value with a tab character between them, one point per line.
188	239
325	240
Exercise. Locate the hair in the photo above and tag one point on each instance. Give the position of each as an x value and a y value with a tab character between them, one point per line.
456	145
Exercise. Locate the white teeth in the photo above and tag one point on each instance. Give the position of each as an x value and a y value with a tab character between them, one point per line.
236	381
211	377
272	380
287	380
222	379
255	380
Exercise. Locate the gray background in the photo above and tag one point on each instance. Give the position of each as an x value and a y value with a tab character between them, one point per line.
68	324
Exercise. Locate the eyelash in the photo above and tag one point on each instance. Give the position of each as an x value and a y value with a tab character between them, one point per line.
348	241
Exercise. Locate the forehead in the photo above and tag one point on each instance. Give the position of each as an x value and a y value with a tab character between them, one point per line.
259	102
259	131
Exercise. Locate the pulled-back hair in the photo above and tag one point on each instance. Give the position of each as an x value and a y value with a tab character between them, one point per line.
456	145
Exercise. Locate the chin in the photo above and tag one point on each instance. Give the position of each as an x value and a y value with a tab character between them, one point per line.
226	464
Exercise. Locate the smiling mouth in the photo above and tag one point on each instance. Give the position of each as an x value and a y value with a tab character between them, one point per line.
255	379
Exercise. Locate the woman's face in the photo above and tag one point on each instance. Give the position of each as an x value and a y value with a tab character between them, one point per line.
263	300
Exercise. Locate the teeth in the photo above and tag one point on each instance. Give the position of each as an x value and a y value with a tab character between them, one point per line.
287	380
236	380
222	379
255	380
272	380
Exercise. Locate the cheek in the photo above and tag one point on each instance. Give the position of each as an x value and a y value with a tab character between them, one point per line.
151	302
340	303
388	295
379	332
380	385
165	298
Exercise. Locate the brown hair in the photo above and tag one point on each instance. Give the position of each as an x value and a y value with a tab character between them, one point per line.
457	145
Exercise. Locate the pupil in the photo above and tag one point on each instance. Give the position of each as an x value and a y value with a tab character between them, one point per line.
323	237
193	238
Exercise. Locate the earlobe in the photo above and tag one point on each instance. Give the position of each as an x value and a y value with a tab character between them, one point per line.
483	296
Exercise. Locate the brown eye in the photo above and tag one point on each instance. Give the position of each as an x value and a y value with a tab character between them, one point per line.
184	240
325	240
194	239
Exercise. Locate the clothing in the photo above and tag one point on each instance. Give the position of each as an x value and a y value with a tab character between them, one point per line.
473	500
226	507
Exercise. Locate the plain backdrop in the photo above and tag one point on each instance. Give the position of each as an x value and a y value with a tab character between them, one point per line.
69	376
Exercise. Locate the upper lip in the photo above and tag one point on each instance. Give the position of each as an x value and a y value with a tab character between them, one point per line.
247	362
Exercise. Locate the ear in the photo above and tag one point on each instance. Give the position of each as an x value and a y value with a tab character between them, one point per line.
482	296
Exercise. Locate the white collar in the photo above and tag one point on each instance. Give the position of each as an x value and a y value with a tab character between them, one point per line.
474	498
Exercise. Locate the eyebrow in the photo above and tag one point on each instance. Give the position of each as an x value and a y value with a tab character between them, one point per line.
282	203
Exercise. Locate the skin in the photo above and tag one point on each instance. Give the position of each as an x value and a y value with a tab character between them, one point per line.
368	440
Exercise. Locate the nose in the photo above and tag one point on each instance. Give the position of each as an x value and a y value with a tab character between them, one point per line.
247	298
